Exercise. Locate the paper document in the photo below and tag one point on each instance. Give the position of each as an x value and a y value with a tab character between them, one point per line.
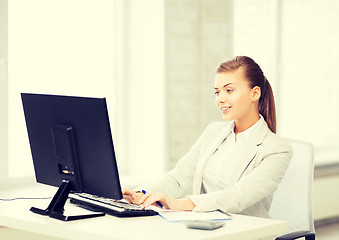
177	216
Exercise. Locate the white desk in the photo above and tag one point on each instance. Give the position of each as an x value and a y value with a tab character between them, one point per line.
16	214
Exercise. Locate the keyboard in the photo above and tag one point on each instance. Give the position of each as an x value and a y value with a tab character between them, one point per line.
110	206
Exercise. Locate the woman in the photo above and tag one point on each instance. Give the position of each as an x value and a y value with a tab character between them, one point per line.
234	166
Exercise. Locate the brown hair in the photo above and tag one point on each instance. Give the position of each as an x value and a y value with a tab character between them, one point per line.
255	77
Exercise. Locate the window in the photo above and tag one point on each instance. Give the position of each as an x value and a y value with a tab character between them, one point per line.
309	74
301	39
55	51
108	48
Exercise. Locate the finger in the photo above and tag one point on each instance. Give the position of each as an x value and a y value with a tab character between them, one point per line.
159	200
127	198
128	192
137	198
143	198
152	200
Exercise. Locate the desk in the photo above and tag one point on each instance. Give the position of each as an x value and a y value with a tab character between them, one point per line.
16	214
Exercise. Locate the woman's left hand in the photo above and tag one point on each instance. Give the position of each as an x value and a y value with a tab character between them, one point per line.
167	201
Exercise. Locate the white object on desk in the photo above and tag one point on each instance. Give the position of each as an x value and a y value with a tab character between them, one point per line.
204	225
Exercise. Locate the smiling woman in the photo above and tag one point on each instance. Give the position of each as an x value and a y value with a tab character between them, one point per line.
234	166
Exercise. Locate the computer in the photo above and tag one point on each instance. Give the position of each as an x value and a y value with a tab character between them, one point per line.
72	148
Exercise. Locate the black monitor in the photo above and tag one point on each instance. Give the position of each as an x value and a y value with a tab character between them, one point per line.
72	147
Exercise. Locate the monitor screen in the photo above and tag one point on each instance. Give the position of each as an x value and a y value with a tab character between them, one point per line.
70	139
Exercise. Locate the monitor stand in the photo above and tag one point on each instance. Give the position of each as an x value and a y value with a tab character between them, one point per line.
56	207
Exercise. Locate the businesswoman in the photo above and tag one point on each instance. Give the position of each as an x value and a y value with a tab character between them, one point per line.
235	165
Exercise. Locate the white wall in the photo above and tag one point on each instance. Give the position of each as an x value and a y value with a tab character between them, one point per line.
326	197
198	39
144	93
3	90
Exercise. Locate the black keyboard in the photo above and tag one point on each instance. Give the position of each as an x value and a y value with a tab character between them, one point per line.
109	206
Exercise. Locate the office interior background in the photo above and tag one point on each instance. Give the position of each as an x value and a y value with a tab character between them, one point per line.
155	61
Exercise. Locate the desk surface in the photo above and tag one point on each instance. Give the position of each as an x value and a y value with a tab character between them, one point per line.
16	214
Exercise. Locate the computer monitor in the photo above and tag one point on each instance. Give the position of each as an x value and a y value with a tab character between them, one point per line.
72	147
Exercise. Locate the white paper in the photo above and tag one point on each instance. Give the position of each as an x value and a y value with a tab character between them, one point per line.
176	216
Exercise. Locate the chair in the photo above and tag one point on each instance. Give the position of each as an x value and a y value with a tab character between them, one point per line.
292	201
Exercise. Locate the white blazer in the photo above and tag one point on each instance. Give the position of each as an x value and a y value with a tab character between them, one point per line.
252	184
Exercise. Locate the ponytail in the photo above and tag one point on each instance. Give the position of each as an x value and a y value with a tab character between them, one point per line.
267	106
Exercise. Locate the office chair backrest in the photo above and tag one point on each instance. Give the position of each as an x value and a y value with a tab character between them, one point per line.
292	200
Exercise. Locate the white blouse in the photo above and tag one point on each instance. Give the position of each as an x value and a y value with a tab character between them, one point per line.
224	160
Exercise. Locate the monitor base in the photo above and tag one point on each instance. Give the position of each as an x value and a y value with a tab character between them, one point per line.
56	207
